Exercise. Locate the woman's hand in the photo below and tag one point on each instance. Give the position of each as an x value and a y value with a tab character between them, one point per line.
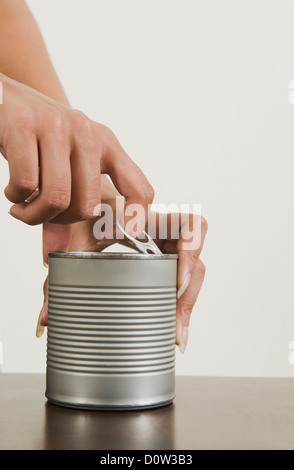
191	269
56	156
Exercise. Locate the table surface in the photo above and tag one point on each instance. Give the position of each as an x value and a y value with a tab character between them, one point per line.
208	413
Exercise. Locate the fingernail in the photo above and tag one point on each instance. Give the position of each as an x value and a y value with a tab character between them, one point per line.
184	286
183	339
45	264
40	328
12	215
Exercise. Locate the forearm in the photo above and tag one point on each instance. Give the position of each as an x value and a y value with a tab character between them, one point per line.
24	58
23	53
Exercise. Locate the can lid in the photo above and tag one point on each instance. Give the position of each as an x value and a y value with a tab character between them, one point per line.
109	255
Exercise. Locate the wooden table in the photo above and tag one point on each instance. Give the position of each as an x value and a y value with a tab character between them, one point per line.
208	413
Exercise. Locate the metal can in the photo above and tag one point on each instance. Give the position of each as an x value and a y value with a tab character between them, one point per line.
111	330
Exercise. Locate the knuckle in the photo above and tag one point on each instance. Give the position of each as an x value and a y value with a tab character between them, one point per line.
87	211
148	193
58	200
201	268
24	120
57	123
83	126
108	134
107	139
186	311
26	184
195	255
204	224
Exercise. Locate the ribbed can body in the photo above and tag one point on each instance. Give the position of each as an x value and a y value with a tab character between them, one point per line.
111	330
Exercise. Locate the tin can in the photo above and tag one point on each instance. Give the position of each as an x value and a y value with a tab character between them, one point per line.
111	330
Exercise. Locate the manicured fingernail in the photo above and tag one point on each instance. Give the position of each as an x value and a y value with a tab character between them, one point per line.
40	328
184	286
45	264
12	215
183	339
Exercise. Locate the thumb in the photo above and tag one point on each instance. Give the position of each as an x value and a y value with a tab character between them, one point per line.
43	316
56	237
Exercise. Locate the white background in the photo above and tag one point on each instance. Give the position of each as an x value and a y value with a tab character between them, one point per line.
197	93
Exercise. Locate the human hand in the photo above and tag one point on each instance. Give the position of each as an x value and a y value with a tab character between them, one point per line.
191	269
56	156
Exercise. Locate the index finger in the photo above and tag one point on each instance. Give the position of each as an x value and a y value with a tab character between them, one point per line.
127	177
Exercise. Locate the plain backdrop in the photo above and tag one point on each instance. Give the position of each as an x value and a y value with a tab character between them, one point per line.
198	94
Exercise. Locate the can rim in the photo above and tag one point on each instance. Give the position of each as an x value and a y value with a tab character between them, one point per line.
109	255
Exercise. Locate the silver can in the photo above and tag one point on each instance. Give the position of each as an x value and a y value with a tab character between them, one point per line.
111	330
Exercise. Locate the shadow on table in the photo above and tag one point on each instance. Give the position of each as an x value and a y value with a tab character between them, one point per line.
66	428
